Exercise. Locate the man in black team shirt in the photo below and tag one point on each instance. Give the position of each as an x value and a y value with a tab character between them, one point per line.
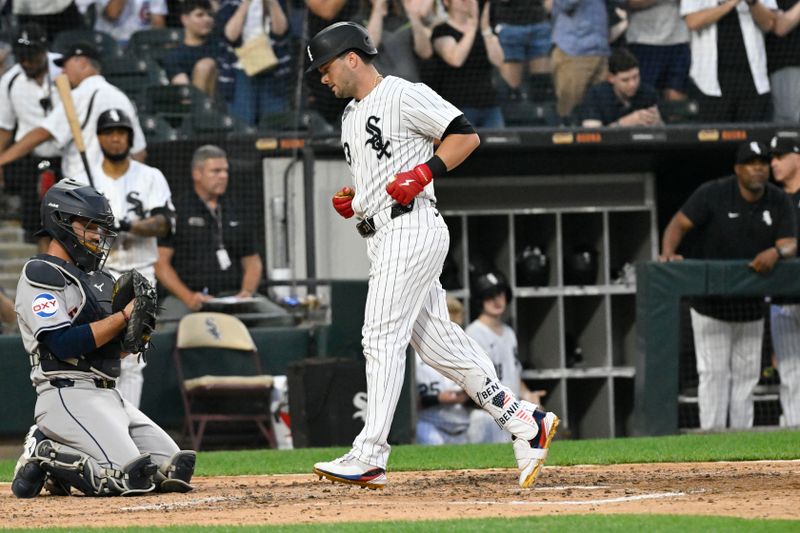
740	217
785	312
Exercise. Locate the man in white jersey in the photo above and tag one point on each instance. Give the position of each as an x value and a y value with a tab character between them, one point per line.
92	95
442	417
785	310
388	130
142	204
493	294
28	97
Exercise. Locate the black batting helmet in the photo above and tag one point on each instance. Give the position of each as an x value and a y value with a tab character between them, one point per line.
70	199
337	39
115	118
490	285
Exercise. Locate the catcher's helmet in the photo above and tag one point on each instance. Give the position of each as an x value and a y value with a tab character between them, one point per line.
115	118
68	200
337	39
490	285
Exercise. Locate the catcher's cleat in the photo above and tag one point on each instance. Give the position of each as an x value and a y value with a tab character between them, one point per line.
532	454
348	469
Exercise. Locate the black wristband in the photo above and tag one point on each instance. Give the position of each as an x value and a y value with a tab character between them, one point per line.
437	166
124	225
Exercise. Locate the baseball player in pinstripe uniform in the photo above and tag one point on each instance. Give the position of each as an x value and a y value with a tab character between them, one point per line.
785	311
388	129
142	204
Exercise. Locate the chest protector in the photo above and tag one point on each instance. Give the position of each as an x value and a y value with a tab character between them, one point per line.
96	289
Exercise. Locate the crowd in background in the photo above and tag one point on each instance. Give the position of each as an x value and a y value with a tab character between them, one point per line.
594	62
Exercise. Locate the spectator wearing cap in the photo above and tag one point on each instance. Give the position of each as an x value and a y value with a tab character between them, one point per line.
785	310
92	95
29	97
53	16
622	100
202	59
737	217
729	59
122	18
783	58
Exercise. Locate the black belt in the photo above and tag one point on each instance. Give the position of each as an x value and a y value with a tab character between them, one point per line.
60	383
367	226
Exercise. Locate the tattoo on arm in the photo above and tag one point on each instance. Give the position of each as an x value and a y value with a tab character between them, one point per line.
154	226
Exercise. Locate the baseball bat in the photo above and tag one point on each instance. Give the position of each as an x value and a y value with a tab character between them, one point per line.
65	92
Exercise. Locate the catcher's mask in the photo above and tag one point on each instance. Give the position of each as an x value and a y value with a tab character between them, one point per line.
88	241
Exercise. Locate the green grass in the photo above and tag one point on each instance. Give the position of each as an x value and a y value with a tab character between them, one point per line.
681	448
587	522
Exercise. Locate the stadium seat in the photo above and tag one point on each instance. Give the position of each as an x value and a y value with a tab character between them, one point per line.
175	102
104	43
540	88
679	111
305	120
219	375
154	43
210	122
524	113
157	129
133	76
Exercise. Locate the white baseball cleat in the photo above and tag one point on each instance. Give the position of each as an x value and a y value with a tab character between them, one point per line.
348	469
532	454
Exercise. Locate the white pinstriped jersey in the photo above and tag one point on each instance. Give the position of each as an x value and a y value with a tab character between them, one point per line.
390	131
133	196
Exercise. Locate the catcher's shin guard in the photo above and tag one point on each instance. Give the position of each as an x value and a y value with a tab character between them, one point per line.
67	466
176	473
29	477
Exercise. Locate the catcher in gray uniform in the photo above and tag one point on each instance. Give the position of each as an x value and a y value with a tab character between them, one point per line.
76	331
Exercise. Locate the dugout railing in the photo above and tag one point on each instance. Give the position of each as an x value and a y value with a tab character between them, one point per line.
660	288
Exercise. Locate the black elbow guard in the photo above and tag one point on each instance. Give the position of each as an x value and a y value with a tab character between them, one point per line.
460	126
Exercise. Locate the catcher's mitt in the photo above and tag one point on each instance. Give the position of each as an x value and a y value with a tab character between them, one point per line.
135	338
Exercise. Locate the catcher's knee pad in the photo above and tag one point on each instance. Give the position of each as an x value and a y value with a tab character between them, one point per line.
136	477
176	473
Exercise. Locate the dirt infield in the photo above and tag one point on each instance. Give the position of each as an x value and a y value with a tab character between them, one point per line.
764	489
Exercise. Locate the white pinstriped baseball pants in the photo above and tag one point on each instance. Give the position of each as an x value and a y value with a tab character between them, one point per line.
406	303
785	322
728	365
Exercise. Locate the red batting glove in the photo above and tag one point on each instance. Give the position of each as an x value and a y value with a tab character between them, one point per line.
343	202
407	185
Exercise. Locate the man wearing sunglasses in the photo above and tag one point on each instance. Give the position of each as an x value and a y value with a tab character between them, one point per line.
28	97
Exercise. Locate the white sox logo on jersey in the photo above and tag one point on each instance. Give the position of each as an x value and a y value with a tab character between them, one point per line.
137	206
376	140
